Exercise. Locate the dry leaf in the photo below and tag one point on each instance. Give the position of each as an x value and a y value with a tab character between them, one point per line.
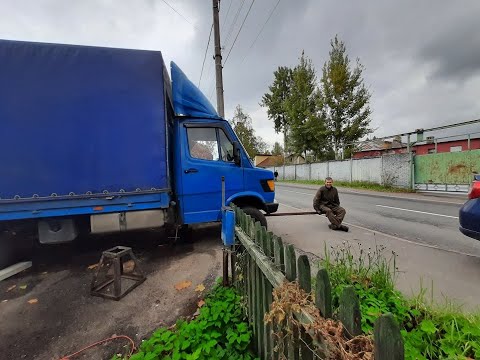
200	288
91	267
201	303
11	288
33	301
22	287
4	301
183	285
44	273
128	266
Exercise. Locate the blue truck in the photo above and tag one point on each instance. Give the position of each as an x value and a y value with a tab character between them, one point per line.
100	140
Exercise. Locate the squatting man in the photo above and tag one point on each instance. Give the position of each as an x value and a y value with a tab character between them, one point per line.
326	201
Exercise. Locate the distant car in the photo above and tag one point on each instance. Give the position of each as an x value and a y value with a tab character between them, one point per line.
470	211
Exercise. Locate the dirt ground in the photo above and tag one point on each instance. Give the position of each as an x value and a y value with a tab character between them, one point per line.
66	318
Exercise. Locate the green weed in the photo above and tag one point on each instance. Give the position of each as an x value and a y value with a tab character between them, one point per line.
219	332
373	276
429	331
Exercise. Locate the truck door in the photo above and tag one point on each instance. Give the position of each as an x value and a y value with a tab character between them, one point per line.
207	156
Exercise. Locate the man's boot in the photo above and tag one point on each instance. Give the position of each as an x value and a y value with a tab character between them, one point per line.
333	227
343	228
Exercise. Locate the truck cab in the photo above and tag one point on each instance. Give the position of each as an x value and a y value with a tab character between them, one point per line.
206	149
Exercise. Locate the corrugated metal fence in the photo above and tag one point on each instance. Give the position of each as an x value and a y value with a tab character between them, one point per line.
446	171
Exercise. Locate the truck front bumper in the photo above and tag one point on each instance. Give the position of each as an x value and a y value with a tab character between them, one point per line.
271	208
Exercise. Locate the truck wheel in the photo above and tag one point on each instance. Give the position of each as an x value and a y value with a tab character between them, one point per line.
186	234
7	251
256	214
16	243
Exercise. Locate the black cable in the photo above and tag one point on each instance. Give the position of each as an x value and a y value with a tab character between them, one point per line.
226	16
261	30
184	18
239	30
205	56
230	30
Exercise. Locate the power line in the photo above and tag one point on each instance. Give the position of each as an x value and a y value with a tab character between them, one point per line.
208	76
211	93
184	18
205	56
226	16
230	30
239	30
261	30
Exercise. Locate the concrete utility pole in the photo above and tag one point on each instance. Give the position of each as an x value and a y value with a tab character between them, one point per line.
218	59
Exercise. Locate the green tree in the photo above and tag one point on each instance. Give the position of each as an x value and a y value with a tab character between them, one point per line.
307	126
277	149
275	101
261	146
344	99
242	125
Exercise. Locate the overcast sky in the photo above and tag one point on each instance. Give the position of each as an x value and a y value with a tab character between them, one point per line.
422	58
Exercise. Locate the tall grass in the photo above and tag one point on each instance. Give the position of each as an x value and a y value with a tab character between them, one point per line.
430	331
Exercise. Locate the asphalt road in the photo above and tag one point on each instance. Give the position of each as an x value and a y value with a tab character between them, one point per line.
422	231
421	219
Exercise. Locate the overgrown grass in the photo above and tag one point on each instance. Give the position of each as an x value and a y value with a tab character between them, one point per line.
354	185
429	331
219	332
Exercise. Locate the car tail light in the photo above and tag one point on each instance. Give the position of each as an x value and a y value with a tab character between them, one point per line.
474	190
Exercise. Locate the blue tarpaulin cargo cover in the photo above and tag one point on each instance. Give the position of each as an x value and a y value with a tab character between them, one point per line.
79	120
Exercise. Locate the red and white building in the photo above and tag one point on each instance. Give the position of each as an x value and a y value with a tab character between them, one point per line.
379	147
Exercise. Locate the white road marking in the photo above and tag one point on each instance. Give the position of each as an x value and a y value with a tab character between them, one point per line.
382	195
397	237
413	242
416	211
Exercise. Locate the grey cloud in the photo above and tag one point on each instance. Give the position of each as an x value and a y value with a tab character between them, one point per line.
421	57
455	52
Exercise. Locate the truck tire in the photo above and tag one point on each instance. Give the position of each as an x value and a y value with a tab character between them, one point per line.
256	214
16	243
7	251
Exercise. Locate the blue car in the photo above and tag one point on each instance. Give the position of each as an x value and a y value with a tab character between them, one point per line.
470	211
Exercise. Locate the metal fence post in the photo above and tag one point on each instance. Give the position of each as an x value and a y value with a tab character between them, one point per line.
412	171
381	171
351	169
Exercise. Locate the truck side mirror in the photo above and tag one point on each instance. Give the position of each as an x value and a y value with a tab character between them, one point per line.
236	153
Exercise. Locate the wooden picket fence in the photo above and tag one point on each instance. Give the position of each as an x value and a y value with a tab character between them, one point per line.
263	264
